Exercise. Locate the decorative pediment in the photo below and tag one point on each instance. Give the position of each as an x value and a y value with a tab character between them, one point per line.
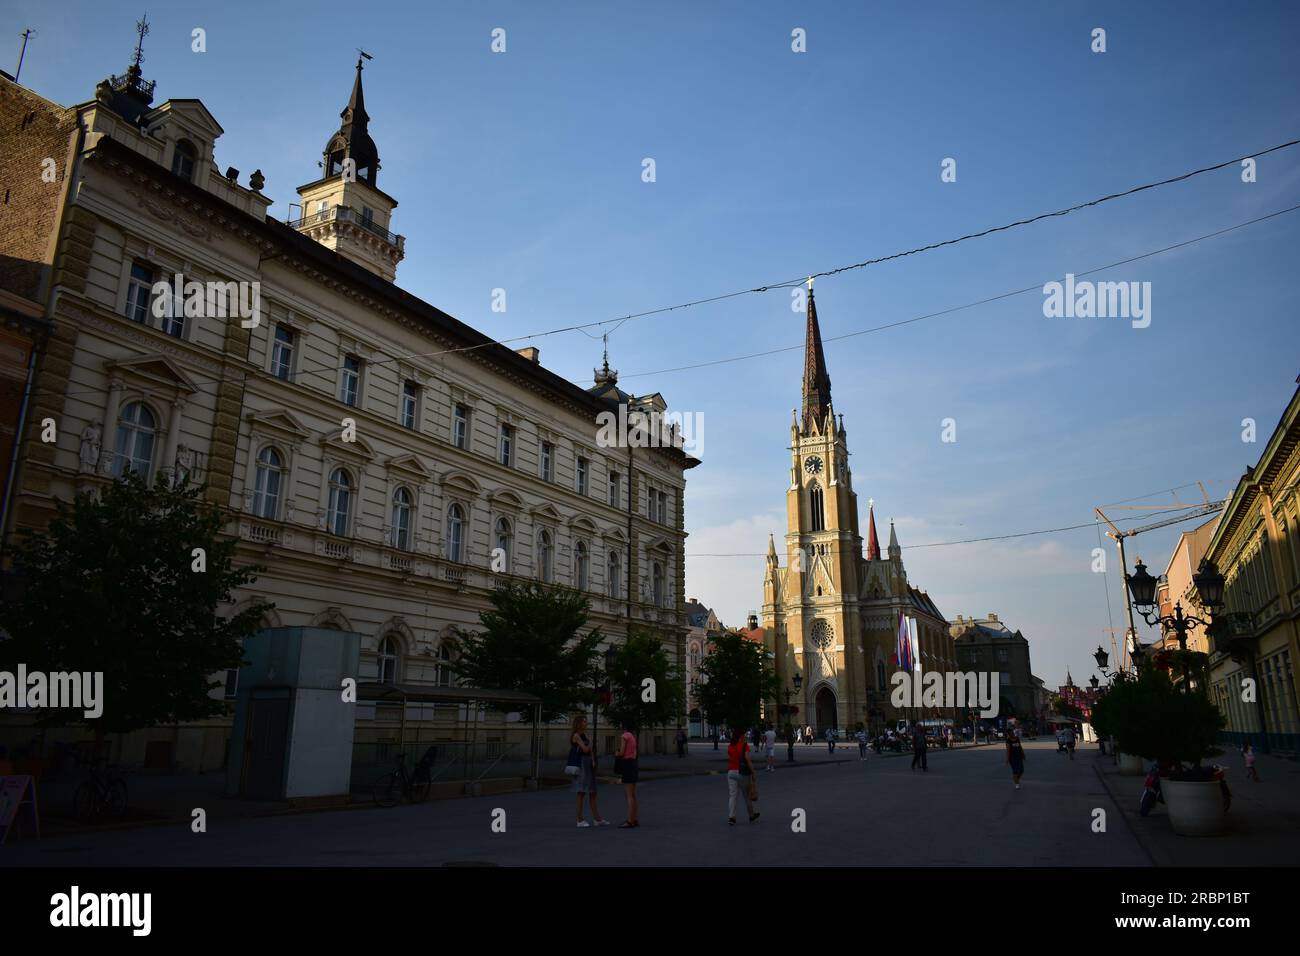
506	500
660	544
156	370
278	421
462	481
411	465
188	113
583	523
358	448
615	535
545	513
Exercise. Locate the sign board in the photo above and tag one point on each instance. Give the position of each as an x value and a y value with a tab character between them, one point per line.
17	795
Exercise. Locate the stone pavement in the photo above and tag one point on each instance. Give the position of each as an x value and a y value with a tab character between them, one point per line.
1263	821
878	812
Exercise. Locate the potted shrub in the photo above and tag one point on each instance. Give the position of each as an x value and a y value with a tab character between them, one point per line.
1178	730
1114	717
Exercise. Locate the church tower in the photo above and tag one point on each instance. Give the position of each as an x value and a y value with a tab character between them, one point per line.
811	606
345	210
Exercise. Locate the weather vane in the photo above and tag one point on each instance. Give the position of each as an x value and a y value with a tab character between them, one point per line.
363	54
142	28
810	282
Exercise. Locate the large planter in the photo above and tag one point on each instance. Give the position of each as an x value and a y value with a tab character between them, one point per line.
1195	807
1130	765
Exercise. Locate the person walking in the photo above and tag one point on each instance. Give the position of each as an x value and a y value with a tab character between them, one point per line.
625	761
716	735
1248	752
918	747
681	742
1015	757
584	781
1069	741
798	735
740	770
808	735
769	748
862	744
830	740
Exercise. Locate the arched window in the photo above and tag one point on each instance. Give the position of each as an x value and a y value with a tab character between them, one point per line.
581	566
266	487
501	560
613	573
545	556
442	675
455	534
694	658
657	584
389	659
183	159
340	503
818	507
402	519
136	428
880	675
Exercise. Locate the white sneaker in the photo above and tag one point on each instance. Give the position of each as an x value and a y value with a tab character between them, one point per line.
1017	786
584	823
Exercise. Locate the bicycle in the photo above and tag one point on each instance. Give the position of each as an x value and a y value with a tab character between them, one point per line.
99	796
413	785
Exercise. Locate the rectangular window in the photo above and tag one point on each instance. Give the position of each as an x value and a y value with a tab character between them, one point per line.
614	495
282	353
410	400
139	293
663	507
367	216
460	426
548	461
350	383
582	476
506	445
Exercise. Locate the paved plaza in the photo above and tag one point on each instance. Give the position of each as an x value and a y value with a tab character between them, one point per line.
963	812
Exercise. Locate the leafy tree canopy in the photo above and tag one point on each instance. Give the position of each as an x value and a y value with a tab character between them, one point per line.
734	680
111	586
643	658
531	641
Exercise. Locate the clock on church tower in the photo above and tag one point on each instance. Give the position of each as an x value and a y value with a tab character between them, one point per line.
813	465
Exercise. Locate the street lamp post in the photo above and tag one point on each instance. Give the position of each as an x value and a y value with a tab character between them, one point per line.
797	681
1209	584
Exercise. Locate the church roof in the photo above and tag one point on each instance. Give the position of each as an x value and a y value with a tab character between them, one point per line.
873	543
924	602
816	380
352	141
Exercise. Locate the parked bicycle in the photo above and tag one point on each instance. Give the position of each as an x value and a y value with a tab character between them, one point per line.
101	796
412	784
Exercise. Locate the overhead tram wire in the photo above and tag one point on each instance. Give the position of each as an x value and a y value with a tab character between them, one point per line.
969	305
791	283
949	544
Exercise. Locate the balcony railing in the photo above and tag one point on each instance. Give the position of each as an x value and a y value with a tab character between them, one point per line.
345	214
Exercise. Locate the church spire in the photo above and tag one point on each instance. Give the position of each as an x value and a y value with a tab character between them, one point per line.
873	543
816	380
895	551
771	550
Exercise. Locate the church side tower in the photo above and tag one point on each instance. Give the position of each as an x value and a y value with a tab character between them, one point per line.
345	210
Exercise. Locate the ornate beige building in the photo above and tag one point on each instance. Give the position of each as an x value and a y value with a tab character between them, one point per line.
831	614
374	453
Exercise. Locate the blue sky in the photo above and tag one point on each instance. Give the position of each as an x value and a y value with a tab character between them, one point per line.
522	171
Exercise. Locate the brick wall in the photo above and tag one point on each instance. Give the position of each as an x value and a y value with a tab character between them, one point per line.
32	130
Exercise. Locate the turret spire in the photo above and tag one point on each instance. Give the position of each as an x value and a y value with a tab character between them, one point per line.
873	543
895	551
816	380
352	141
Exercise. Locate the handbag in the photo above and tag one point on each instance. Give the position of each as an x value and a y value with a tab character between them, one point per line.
575	762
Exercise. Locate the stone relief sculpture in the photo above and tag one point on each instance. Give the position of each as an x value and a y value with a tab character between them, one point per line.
91	447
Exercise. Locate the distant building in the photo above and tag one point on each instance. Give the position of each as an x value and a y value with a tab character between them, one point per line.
702	627
987	644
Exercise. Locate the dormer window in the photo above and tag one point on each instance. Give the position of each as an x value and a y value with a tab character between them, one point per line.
183	160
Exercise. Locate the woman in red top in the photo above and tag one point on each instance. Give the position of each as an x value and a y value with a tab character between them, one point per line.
627	764
740	769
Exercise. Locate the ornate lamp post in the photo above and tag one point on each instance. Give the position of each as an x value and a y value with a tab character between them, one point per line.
1209	585
789	737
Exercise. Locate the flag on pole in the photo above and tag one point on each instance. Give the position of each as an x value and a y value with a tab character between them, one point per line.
903	644
915	643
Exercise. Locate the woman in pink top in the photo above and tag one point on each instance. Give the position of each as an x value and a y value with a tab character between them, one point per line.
627	765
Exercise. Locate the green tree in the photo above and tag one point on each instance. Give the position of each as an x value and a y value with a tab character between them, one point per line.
531	641
643	657
112	585
734	680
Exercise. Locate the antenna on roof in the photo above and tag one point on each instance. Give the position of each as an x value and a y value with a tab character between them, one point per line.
29	32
